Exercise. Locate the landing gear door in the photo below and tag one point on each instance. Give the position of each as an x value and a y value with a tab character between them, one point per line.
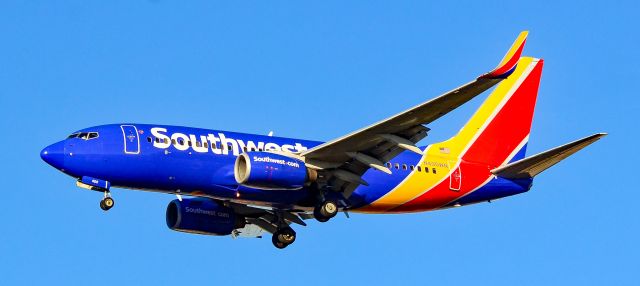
455	180
131	139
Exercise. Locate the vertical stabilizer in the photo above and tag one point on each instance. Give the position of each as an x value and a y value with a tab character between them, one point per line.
499	130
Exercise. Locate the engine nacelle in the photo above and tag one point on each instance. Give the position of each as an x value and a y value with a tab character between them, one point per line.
202	216
264	170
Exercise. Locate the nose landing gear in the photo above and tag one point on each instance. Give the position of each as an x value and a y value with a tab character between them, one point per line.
107	203
98	185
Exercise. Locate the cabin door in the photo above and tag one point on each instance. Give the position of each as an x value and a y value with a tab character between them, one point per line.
455	179
131	139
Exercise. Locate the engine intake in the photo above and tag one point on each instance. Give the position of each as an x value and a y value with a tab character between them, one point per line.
202	216
264	170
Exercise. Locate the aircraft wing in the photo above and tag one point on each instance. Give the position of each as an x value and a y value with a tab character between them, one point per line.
344	160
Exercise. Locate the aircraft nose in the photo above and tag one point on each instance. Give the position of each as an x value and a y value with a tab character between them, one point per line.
54	155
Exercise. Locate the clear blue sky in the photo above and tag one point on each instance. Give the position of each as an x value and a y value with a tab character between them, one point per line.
315	71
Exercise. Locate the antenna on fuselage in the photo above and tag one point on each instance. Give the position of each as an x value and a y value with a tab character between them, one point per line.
270	133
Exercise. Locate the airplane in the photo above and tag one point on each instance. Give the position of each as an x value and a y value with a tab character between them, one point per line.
244	185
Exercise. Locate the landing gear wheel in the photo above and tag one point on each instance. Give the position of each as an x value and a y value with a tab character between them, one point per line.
278	244
283	237
286	235
320	218
107	203
325	211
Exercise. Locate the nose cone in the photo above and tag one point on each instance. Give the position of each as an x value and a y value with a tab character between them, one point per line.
54	155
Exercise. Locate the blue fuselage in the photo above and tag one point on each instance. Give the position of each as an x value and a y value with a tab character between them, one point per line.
200	162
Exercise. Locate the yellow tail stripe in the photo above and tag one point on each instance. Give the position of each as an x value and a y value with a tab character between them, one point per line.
441	155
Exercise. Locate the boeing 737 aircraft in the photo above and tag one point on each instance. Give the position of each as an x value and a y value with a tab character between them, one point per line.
230	183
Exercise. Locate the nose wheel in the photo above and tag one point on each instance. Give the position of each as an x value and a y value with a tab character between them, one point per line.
283	237
107	203
325	211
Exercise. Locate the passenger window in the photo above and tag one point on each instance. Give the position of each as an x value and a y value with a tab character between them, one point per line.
434	170
397	166
149	139
388	165
404	166
206	144
181	142
411	167
198	144
419	168
166	140
157	140
173	141
189	143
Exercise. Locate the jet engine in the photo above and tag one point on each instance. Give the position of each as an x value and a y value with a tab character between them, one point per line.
264	170
202	216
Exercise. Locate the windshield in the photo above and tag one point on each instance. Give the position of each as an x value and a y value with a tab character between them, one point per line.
84	135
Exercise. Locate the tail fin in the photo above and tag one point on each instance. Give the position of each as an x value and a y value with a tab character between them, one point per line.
534	165
499	130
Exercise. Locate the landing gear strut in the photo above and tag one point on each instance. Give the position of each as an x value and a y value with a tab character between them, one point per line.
325	211
283	237
107	203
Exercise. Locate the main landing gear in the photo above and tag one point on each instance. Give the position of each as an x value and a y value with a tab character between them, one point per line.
283	237
284	234
325	211
107	203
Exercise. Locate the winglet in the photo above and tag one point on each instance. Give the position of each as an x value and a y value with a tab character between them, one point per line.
510	60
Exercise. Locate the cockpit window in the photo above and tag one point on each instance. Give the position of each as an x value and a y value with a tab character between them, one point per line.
84	135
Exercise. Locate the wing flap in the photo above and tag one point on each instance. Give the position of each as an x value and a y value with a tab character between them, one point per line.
536	164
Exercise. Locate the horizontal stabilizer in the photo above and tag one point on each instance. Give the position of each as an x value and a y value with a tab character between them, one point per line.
534	165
